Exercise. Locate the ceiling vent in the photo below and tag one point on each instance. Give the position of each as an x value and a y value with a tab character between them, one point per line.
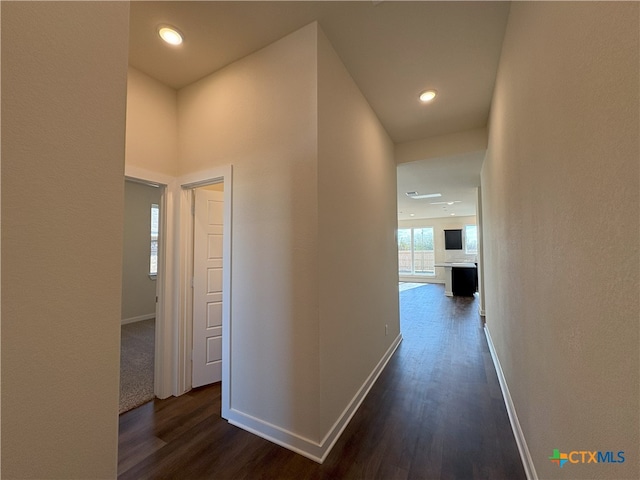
416	196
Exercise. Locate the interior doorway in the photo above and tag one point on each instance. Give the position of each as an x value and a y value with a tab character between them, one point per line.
140	262
207	285
204	330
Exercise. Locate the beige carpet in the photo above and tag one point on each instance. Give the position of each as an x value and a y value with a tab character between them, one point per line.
136	364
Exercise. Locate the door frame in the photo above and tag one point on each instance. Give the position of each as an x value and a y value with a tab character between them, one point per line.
162	354
172	372
183	195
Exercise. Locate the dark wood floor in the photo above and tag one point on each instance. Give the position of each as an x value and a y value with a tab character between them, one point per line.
436	412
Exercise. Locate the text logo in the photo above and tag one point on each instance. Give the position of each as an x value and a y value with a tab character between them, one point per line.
585	456
559	458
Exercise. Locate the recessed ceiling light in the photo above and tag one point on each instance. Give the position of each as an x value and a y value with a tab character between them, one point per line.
412	214
170	35
427	96
453	214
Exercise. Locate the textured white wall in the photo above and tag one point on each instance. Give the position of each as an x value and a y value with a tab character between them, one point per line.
560	194
442	146
308	284
64	67
152	125
358	266
138	290
259	114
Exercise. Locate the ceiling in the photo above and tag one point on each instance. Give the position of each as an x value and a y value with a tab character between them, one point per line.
393	50
455	178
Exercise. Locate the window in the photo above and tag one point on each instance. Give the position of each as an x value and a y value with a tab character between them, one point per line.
155	221
471	239
415	251
404	251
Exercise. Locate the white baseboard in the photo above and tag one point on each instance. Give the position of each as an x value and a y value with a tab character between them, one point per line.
289	440
525	455
139	318
316	451
341	423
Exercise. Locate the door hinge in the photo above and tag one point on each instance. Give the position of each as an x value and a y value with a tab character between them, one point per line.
192	281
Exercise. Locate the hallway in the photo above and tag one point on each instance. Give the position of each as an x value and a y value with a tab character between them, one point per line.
436	411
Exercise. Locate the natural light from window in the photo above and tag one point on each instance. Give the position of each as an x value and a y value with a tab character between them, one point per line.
471	239
155	221
415	251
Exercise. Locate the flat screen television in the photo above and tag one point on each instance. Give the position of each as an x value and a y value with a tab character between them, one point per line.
453	239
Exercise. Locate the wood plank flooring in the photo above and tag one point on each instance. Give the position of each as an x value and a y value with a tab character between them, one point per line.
436	412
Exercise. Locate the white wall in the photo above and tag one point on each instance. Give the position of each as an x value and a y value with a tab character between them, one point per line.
439	225
259	114
560	191
138	289
358	266
64	67
152	125
440	146
312	174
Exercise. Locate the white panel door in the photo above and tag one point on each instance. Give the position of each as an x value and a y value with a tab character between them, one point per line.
207	287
